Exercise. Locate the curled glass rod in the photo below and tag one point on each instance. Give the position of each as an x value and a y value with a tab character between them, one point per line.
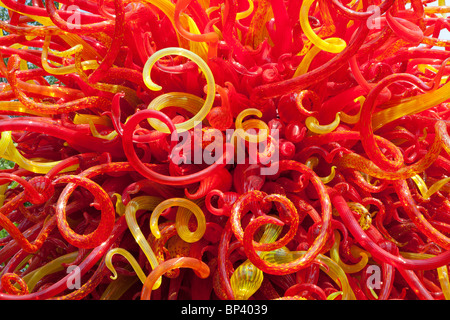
132	260
182	219
329	46
210	95
142	203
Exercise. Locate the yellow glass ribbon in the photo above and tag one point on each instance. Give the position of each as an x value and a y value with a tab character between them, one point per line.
328	46
210	96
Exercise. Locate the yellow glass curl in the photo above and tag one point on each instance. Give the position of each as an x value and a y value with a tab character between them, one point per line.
243	126
132	260
313	125
120	208
187	101
423	188
8	151
86	65
142	203
182	219
312	53
334	254
246	13
353	119
210	95
312	162
306	61
110	136
328	46
210	10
